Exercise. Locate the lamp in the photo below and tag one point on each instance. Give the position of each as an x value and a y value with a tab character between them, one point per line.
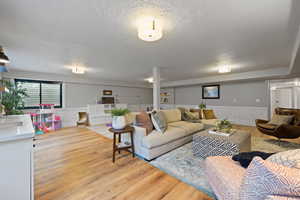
224	69
3	57
150	30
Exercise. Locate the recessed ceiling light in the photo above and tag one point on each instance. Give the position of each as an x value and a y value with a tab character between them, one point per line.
78	70
150	29
224	69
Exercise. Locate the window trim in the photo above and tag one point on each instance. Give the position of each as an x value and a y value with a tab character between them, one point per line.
41	82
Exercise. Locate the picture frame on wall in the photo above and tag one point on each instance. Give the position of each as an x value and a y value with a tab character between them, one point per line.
211	92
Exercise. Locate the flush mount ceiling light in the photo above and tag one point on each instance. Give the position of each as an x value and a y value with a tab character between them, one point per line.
78	70
150	80
150	29
224	69
3	57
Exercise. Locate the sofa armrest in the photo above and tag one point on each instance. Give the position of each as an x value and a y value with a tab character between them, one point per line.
260	121
289	131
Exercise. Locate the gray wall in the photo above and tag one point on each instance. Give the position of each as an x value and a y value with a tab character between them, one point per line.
79	95
232	94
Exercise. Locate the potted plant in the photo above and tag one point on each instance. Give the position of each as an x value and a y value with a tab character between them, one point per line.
202	106
13	98
118	118
224	126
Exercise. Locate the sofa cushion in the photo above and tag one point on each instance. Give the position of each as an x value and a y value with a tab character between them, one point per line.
188	127
210	122
289	158
159	121
156	138
143	120
281	119
209	114
224	176
263	178
267	126
173	115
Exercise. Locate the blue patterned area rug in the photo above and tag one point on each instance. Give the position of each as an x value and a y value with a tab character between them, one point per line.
183	165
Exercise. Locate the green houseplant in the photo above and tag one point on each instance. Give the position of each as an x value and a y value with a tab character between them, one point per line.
118	118
202	106
13	98
224	125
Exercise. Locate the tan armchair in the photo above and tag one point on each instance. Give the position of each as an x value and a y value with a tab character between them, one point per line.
288	131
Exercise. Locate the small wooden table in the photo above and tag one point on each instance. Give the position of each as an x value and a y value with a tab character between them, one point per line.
122	146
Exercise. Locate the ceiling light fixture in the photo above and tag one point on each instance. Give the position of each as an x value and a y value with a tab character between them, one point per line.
78	70
150	80
150	29
3	57
224	69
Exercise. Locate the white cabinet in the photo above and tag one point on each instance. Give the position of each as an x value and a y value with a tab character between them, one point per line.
16	158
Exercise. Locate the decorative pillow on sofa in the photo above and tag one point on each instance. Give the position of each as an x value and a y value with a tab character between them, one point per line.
191	117
143	120
199	111
281	119
159	121
289	158
264	178
209	114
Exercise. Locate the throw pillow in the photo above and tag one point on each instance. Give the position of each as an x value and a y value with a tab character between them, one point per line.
209	114
159	121
281	119
143	120
199	111
263	178
289	158
245	158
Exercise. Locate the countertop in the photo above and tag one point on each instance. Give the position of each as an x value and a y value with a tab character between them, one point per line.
15	127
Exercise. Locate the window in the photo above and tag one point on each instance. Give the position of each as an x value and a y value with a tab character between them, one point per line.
41	92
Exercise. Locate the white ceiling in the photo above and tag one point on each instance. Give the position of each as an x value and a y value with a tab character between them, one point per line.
199	35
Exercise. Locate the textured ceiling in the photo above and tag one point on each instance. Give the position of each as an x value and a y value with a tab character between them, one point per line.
199	35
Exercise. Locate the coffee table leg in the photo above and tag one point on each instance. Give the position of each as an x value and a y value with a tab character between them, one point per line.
114	147
132	145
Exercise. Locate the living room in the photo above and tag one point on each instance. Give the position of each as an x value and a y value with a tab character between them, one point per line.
150	99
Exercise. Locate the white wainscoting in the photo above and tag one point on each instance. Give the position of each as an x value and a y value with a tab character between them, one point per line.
244	115
69	116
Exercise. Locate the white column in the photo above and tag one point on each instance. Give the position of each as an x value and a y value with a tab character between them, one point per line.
156	88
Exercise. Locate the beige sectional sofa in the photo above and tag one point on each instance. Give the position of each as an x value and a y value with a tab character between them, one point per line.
155	144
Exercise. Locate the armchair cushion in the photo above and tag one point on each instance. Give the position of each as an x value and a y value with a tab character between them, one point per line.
281	119
267	126
264	178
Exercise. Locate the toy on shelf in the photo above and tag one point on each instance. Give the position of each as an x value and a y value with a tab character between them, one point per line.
45	119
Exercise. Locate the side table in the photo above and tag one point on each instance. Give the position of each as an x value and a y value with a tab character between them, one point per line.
120	145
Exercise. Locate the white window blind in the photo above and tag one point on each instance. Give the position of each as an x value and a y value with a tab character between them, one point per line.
41	92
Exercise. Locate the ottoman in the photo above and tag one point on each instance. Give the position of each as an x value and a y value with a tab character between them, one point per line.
206	144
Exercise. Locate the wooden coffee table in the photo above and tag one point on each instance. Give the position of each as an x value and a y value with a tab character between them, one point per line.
122	145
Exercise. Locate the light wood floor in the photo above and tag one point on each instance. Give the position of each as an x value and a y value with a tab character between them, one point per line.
75	164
